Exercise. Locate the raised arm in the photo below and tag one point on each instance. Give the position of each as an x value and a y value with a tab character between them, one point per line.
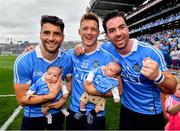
164	80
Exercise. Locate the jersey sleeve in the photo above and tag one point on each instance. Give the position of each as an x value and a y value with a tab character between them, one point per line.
22	70
67	66
159	58
32	89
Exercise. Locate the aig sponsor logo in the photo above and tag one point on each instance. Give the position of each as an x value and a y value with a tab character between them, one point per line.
130	78
37	74
80	75
75	60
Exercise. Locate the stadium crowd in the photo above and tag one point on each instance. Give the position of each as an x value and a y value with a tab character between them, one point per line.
158	22
168	41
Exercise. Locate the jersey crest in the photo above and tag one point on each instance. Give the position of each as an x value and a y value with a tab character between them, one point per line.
136	67
95	64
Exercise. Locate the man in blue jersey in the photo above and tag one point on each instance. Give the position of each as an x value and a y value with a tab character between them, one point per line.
94	57
30	67
144	75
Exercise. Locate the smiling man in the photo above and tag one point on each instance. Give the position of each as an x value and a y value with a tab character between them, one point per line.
30	67
94	57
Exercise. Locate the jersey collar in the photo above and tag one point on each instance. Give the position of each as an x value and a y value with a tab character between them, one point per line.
39	54
97	49
133	49
135	45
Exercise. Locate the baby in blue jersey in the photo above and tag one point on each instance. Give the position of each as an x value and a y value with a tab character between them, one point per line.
104	80
52	76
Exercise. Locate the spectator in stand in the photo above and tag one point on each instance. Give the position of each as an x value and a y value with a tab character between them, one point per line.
175	57
178	60
172	43
165	48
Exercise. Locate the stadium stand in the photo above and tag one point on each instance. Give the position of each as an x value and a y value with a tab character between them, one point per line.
16	49
153	21
13	49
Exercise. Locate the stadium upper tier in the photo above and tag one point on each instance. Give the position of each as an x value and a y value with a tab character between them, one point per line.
100	7
143	16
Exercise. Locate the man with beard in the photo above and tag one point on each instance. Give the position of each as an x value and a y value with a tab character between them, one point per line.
30	67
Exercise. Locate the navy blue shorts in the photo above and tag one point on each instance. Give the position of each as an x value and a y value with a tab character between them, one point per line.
130	120
40	123
74	124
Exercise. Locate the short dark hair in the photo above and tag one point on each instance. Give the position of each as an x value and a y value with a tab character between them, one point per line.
110	15
53	20
90	16
59	67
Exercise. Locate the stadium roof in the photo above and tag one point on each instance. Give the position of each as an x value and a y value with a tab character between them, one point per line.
101	7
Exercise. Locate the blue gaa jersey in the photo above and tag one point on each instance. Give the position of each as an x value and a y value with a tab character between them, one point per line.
103	83
82	65
139	94
30	67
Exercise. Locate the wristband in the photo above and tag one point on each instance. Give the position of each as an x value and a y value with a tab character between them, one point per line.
159	75
159	79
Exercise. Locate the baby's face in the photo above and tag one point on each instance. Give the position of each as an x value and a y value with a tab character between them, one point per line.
177	93
110	70
52	75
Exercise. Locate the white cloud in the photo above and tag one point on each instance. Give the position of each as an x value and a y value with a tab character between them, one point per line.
20	19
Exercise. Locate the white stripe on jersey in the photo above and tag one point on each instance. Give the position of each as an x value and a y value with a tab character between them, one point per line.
157	52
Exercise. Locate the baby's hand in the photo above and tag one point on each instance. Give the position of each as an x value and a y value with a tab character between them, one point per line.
65	96
54	88
28	96
116	100
44	110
